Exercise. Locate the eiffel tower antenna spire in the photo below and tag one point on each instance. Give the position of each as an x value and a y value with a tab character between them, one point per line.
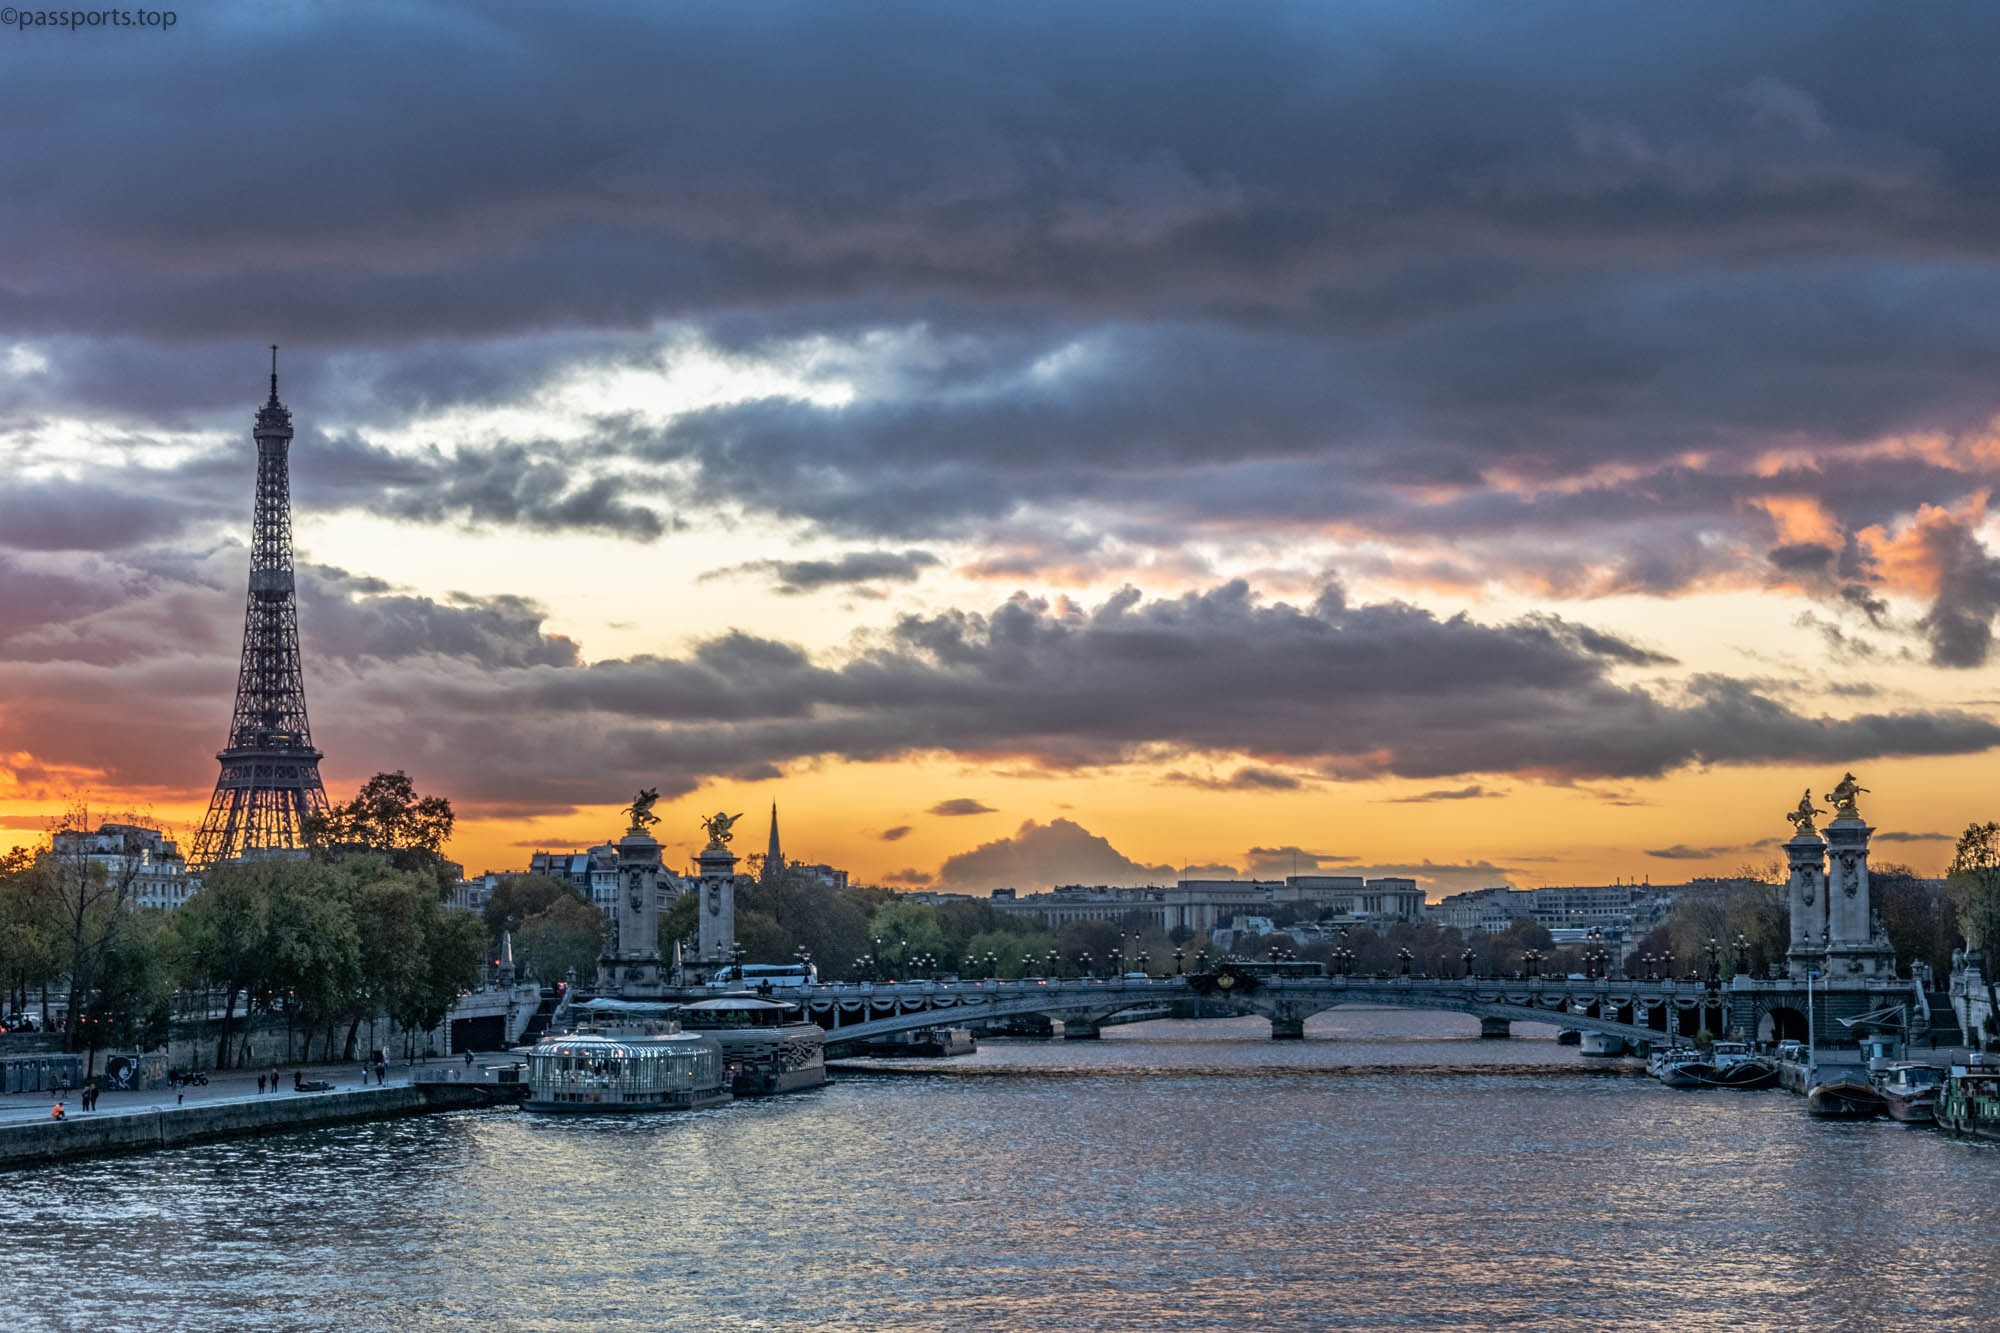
270	779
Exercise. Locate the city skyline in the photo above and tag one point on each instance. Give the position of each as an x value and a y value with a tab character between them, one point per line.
1483	445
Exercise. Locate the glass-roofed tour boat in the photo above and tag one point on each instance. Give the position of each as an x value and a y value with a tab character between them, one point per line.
626	1056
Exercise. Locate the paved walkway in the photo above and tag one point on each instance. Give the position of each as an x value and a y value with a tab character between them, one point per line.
232	1086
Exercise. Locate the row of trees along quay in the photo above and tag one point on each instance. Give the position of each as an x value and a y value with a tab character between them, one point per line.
361	929
356	929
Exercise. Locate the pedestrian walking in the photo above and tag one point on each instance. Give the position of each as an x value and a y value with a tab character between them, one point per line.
260	1085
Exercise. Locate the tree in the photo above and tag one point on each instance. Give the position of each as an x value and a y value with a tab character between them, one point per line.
88	897
902	930
567	934
387	816
29	931
221	935
517	897
1916	915
1973	883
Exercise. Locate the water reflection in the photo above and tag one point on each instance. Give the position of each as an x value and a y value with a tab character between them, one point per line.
1298	1185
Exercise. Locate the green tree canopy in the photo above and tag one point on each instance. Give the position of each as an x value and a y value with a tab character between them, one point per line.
387	816
517	897
1973	883
566	934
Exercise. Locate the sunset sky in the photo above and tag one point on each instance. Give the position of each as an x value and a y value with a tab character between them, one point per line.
1028	443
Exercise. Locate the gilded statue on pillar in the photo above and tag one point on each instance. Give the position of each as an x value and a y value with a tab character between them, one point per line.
1802	818
641	810
1845	795
717	826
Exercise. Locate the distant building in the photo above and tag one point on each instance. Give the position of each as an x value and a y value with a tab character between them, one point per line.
594	874
1203	905
145	861
1569	911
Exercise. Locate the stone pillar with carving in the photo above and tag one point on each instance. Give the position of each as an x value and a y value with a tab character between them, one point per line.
716	935
1806	898
1856	945
631	965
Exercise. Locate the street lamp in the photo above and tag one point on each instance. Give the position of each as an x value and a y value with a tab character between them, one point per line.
1467	958
1055	964
1742	953
1404	956
1179	954
1714	961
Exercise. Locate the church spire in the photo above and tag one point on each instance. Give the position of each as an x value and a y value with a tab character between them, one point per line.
774	859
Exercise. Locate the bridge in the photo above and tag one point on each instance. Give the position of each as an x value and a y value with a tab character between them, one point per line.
1639	1011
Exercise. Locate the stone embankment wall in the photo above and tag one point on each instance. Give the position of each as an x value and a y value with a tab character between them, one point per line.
141	1131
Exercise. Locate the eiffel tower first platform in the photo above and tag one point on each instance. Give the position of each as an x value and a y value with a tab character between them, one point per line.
270	771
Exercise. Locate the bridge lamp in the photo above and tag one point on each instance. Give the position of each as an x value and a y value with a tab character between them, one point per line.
1179	954
1742	952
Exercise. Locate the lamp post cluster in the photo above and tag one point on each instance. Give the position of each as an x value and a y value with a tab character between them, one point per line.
1532	962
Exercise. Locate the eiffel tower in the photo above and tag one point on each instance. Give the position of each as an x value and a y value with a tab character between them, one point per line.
270	770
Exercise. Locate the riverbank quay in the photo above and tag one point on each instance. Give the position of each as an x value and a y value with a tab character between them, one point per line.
230	1107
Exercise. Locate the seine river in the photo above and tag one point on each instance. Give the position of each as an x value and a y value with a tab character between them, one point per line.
1389	1172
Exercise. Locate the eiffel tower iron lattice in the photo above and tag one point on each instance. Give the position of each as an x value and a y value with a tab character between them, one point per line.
270	771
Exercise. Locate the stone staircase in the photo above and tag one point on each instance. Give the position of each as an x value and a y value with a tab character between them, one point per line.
1944	1030
538	1025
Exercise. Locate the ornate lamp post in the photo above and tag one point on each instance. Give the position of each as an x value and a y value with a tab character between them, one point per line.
1117	962
1714	962
1467	958
1055	963
1145	963
1179	955
1083	966
1742	945
1403	956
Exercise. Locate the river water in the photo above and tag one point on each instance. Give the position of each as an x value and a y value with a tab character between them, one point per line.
1389	1172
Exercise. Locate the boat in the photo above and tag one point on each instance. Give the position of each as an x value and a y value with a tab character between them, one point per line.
932	1041
625	1057
1738	1066
1680	1067
1969	1102
1842	1094
1569	1037
1600	1043
767	1047
1909	1091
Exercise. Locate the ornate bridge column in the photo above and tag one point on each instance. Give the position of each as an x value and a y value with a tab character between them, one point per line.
632	966
1806	894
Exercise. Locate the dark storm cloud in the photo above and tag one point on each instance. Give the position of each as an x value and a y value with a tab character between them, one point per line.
1297	267
346	618
1039	855
1682	852
1959	624
1347	691
961	805
794	577
1472	793
896	834
1276	862
1247	778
